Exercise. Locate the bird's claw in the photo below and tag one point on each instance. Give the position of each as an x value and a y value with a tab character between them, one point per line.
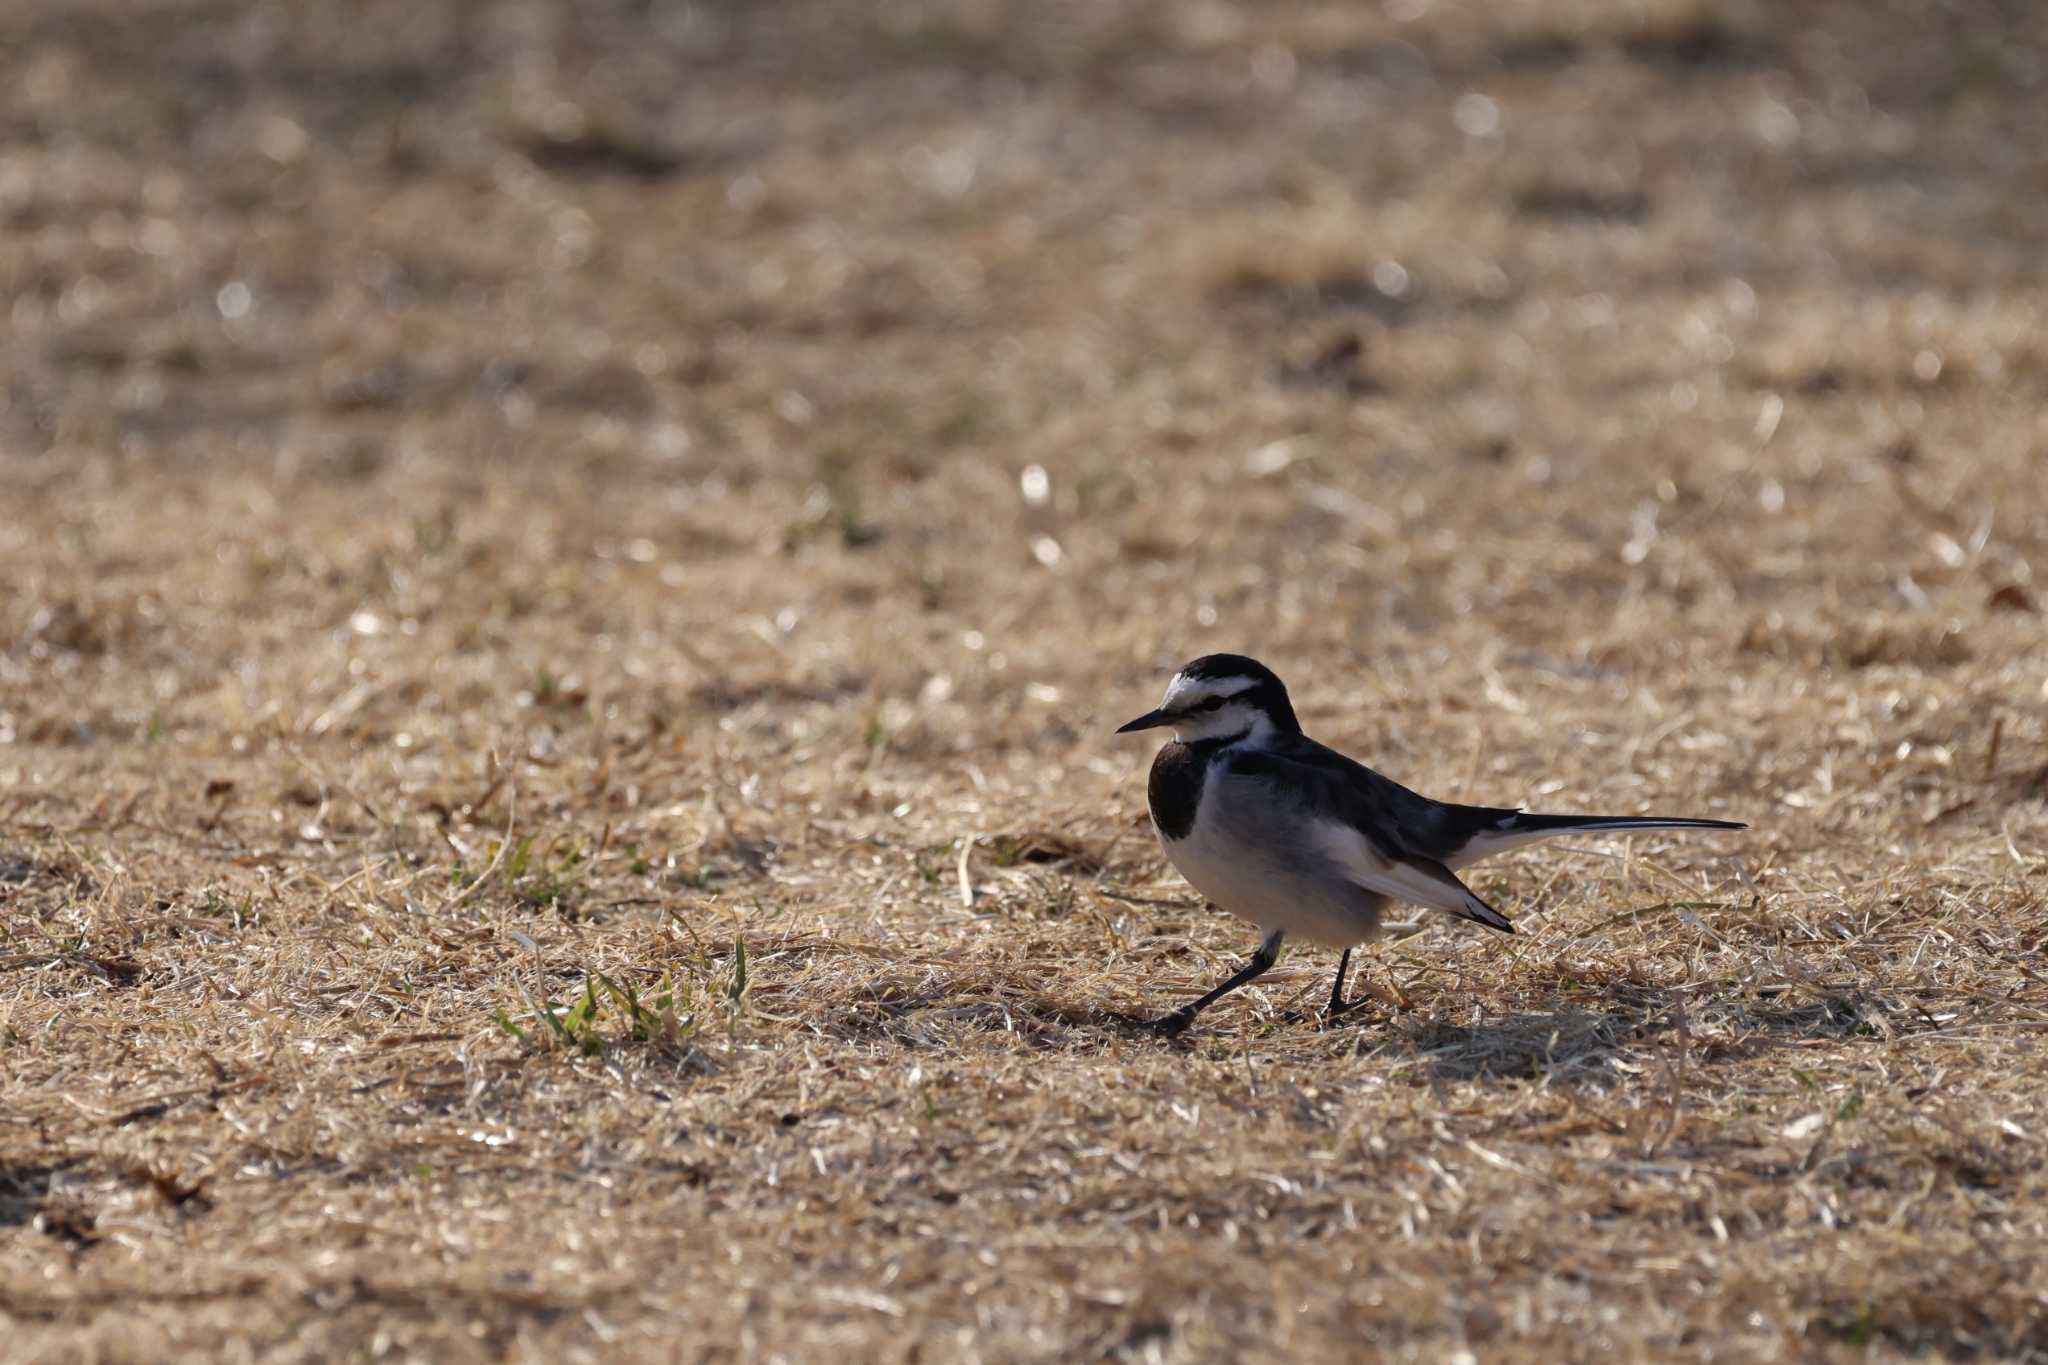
1170	1026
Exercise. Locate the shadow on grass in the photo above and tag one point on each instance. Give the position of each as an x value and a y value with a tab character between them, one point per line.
28	1200
1582	1038
1591	1042
22	1192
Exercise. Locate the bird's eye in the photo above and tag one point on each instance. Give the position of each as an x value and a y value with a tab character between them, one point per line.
1214	703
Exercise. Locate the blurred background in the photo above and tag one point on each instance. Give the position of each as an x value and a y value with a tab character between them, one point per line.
911	375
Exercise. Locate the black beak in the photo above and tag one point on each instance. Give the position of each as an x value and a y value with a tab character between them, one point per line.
1151	720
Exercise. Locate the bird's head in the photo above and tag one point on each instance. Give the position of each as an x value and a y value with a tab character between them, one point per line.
1222	696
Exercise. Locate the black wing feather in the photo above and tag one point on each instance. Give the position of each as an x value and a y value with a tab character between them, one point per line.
1404	827
1400	823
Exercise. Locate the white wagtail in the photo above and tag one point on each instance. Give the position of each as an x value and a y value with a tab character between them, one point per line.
1301	840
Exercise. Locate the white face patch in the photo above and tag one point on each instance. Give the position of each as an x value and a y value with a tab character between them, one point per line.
1184	691
1202	722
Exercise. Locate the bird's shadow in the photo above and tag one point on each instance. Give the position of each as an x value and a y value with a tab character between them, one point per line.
1595	1042
1575	1036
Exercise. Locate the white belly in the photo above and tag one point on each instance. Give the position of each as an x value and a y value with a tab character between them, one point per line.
1262	874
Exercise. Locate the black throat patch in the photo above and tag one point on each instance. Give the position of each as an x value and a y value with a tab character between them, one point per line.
1175	788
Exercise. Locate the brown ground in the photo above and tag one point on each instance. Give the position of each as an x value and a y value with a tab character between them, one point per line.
568	570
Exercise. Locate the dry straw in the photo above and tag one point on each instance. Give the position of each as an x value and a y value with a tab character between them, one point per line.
566	585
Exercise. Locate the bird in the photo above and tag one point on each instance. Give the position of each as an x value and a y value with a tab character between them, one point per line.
1305	842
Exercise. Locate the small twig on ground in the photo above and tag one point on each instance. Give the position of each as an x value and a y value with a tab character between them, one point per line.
351	793
498	857
966	884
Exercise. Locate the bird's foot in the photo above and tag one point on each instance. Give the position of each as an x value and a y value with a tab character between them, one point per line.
1170	1026
1338	1010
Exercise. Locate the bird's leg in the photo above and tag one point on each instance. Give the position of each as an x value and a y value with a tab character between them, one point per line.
1337	1005
1172	1025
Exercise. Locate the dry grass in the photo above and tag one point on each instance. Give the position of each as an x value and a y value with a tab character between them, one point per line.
555	789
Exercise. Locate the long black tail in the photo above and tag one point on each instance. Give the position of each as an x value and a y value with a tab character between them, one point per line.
1516	828
1523	823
